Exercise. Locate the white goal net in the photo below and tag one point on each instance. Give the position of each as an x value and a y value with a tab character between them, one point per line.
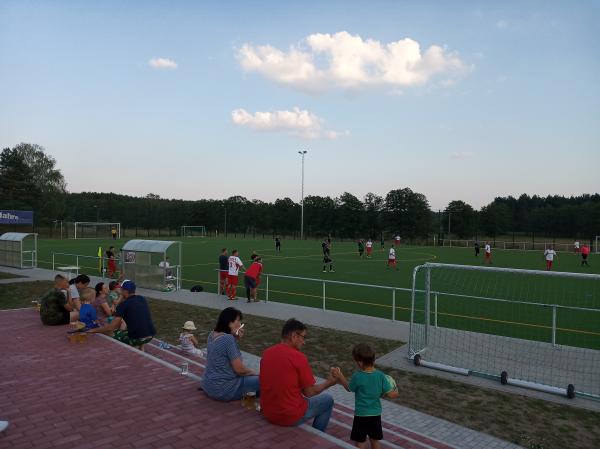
96	230
536	326
193	231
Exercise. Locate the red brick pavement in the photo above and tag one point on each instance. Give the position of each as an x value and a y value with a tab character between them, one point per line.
100	395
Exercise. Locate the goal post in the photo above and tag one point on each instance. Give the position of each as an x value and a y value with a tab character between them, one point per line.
539	328
597	245
92	230
193	231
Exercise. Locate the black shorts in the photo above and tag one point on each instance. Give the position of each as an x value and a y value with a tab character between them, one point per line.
366	426
584	256
249	282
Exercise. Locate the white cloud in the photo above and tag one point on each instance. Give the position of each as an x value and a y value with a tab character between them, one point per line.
501	24
297	122
346	61
462	155
162	63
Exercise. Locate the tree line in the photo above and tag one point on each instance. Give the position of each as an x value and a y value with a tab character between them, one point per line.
29	180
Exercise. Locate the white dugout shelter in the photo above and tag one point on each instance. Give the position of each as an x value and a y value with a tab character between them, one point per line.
153	264
18	249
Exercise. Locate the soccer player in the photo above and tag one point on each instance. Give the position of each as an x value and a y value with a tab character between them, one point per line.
576	246
223	271
382	243
397	239
392	258
277	244
327	261
549	255
488	253
361	249
325	248
235	263
113	232
585	251
476	249
369	248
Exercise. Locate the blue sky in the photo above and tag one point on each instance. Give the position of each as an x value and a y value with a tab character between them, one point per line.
456	100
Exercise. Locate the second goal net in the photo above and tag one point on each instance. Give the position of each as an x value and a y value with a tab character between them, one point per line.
193	231
96	230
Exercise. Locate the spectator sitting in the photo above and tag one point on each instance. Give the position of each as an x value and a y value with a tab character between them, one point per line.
134	311
56	306
164	264
114	293
226	377
188	341
100	303
87	312
78	283
289	393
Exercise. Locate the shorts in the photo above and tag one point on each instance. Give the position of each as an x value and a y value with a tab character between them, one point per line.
366	426
123	337
584	256
249	282
233	280
369	249
223	275
391	261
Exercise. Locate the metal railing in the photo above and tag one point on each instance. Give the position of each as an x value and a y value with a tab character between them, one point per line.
324	283
504	245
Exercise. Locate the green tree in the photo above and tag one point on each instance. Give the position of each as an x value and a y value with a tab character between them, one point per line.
17	187
460	217
349	215
407	212
48	182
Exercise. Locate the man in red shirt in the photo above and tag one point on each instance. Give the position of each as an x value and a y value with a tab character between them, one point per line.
251	278
289	394
585	251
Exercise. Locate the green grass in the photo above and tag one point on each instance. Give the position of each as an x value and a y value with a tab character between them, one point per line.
304	259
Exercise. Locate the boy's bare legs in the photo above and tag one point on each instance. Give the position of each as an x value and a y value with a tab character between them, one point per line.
362	445
375	444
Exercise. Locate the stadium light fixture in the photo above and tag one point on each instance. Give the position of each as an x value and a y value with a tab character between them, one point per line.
302	153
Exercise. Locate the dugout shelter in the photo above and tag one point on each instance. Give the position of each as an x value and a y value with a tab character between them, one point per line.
18	249
153	264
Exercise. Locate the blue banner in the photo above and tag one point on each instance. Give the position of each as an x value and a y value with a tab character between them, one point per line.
16	217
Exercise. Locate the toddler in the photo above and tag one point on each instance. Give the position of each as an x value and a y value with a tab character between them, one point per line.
188	341
368	385
87	313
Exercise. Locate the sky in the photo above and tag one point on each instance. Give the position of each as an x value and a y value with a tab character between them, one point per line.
185	99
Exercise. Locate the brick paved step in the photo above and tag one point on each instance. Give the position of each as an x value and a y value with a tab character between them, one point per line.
341	422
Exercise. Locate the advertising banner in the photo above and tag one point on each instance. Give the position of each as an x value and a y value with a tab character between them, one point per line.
16	217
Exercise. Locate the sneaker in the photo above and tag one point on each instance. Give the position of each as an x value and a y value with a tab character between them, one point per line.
332	271
324	271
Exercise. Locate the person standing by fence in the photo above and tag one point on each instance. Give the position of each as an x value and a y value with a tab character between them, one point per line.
549	255
223	271
235	263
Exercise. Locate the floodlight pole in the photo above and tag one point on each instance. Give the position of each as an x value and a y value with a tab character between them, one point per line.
302	153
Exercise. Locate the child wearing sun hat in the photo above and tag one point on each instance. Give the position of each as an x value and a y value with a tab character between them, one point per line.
188	341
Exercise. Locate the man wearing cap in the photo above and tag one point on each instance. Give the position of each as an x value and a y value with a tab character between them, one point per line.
134	310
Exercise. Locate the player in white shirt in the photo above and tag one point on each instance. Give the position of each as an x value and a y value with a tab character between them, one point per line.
369	248
235	263
488	253
576	246
166	266
397	239
549	254
391	258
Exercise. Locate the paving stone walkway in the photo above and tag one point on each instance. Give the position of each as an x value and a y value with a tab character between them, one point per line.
102	394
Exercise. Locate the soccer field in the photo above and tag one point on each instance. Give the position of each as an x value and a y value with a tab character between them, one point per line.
304	259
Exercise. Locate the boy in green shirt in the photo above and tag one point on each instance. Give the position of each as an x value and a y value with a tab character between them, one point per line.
369	385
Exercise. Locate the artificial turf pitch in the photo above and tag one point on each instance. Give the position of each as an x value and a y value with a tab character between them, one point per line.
304	259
